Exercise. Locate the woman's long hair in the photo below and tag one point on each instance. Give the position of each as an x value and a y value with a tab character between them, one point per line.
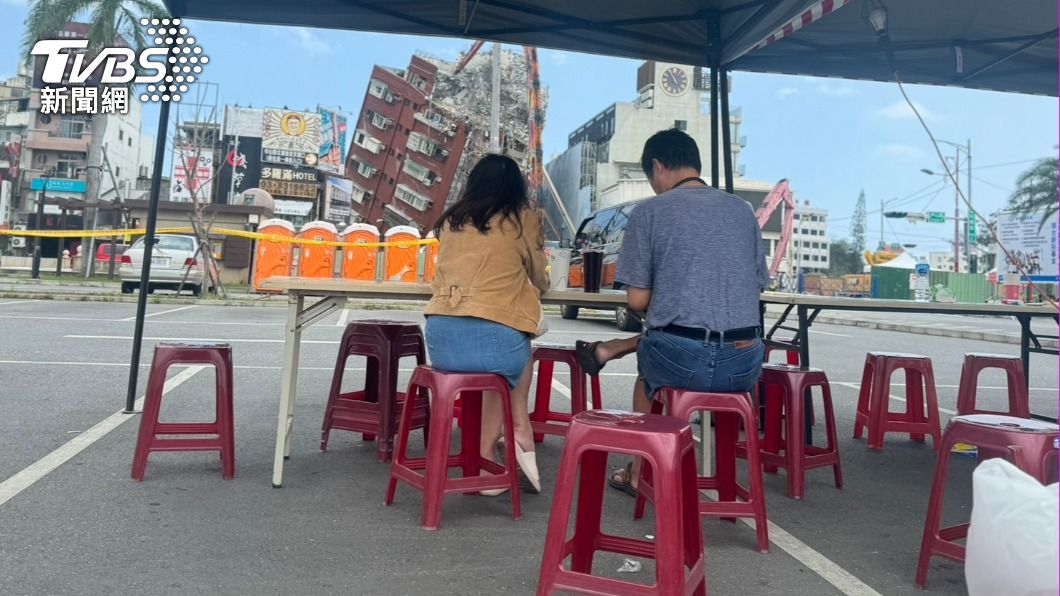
495	186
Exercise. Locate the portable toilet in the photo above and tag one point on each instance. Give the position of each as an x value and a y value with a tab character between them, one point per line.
402	260
273	257
360	262
430	259
317	261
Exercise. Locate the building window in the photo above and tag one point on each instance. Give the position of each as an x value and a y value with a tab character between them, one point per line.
379	121
365	170
366	141
71	128
419	172
359	194
66	165
121	135
416	200
681	124
117	171
422	144
379	89
130	141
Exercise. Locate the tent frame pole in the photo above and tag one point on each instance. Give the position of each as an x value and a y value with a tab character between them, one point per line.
714	60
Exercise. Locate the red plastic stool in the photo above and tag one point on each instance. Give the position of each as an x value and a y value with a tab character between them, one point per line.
680	567
151	430
1028	444
1018	399
785	387
434	482
373	411
874	399
730	409
543	420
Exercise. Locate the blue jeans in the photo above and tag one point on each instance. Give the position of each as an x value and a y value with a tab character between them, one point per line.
470	345
665	360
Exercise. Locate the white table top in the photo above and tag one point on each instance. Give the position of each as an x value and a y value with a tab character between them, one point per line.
307	286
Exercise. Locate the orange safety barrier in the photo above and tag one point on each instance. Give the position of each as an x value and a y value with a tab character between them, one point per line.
317	261
273	257
402	261
360	262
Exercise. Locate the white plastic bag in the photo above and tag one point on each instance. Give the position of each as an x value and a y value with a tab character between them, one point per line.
1012	542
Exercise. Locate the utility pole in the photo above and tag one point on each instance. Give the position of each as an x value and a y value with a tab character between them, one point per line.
973	264
41	197
882	244
495	103
957	213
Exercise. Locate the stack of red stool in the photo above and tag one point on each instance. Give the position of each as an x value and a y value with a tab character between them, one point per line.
373	411
151	430
1018	400
730	409
543	420
666	443
1029	444
785	388
874	399
435	482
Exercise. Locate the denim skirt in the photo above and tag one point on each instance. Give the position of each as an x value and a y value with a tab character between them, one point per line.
471	345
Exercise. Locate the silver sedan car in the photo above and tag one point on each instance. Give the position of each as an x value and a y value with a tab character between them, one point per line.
171	257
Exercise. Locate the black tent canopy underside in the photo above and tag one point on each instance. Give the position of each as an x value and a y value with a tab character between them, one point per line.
1001	45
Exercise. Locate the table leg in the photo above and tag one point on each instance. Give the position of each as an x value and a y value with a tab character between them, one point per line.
1025	346
288	387
804	363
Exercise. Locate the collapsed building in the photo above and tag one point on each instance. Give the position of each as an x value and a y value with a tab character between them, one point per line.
422	129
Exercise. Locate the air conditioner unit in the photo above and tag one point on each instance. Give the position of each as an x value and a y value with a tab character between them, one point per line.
444	152
18	241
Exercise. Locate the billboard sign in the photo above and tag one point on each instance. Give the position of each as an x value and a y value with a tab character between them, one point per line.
1032	244
243	161
192	175
338	199
243	122
290	138
332	157
287	181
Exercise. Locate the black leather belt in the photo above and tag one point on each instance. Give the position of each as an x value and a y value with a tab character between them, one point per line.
739	334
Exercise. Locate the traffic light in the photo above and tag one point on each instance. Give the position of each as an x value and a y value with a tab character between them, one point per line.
895	214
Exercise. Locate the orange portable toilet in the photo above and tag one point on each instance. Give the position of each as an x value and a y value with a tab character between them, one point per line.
430	259
273	257
360	262
402	261
317	261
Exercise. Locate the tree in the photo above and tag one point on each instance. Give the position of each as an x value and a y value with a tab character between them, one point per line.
857	227
109	20
844	258
1036	190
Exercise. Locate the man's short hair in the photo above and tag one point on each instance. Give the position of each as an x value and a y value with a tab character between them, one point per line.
673	148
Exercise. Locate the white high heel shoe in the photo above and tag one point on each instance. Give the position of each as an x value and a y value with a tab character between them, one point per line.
527	461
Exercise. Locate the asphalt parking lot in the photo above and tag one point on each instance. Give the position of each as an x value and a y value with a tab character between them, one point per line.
74	523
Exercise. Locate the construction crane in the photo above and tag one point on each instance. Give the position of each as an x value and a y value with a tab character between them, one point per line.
780	195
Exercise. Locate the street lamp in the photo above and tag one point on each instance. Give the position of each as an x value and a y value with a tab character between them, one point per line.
967	150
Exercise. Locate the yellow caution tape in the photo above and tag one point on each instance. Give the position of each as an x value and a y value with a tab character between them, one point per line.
218	231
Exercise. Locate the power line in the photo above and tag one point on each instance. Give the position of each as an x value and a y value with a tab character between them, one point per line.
1009	163
989	183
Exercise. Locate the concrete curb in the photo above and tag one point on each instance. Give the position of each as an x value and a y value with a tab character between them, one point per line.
934	331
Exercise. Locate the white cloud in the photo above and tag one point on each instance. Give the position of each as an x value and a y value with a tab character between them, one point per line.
310	41
902	151
900	110
786	92
837	90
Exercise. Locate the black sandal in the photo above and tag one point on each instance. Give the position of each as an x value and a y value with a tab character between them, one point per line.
623	485
586	352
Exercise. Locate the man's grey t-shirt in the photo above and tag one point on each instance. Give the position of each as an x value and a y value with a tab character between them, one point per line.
699	250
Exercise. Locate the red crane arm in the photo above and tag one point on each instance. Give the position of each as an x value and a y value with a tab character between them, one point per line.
781	194
475	47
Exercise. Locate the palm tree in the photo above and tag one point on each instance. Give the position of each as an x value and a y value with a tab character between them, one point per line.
109	20
1036	190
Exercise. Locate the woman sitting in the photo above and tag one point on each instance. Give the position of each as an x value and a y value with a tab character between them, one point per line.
489	277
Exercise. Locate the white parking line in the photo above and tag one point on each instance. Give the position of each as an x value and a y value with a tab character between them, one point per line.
857	387
343	316
127	320
201	339
47	464
13	302
816	332
164	312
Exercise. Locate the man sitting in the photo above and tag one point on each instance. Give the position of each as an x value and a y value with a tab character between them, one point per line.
693	260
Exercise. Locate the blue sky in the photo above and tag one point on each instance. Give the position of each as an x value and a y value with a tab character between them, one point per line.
831	138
